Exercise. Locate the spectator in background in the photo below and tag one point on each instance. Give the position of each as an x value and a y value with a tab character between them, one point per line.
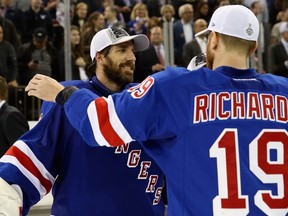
152	59
60	12
23	4
37	56
197	45
111	18
111	4
80	15
178	3
10	33
152	22
264	9
8	61
125	8
183	31
95	23
12	122
153	6
257	8
167	13
237	2
139	18
106	3
274	8
59	23
36	17
221	3
278	53
275	35
51	7
78	62
10	11
93	5
202	11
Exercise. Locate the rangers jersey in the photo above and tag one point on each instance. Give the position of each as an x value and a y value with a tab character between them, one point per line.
85	180
219	136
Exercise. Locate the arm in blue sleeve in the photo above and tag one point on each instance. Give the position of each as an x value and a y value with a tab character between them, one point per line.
29	163
76	110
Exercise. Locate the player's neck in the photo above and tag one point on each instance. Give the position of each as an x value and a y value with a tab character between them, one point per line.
231	60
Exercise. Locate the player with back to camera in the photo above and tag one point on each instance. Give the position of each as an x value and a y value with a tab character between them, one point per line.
221	130
87	181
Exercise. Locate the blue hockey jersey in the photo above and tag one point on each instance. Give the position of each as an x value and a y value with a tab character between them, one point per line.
85	180
219	136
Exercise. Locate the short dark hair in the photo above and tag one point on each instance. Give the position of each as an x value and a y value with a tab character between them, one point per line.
92	66
3	89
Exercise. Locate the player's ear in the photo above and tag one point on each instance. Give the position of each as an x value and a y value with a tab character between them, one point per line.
254	48
214	40
99	57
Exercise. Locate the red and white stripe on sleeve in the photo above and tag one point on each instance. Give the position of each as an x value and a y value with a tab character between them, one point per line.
109	131
21	156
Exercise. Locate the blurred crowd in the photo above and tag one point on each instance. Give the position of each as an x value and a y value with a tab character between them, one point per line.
32	34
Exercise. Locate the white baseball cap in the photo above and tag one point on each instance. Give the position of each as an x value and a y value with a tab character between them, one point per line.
234	20
113	36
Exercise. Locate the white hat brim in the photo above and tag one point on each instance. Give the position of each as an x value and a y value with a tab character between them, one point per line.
141	41
203	32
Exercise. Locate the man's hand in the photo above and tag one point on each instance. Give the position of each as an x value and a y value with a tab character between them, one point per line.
13	83
44	87
158	67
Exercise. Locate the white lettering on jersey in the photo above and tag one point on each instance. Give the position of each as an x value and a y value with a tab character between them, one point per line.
152	182
143	170
133	160
157	196
234	105
122	149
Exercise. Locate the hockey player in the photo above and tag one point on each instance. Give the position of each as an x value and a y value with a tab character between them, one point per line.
87	181
220	133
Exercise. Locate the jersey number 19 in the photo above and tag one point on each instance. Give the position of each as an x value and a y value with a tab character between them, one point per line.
230	200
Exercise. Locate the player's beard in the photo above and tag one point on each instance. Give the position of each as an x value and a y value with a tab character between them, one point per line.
117	74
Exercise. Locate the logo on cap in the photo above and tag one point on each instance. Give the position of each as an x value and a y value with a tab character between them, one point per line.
116	33
249	30
39	34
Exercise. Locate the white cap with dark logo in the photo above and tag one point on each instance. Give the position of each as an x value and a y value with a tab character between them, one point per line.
234	20
113	36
